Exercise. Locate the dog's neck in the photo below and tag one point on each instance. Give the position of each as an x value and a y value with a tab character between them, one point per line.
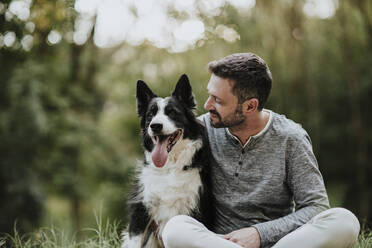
170	190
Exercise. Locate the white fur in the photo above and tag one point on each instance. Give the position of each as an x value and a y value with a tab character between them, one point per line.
131	242
162	118
170	190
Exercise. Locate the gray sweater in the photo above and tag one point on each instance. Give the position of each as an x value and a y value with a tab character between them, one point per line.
271	183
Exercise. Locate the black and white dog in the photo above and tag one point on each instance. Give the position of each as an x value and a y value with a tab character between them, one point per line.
174	176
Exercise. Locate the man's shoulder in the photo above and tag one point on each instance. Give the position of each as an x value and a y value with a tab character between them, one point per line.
284	126
202	118
205	120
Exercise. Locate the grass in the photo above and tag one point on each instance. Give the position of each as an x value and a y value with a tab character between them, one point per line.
104	236
364	240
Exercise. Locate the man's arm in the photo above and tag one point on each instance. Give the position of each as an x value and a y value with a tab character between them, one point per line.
306	183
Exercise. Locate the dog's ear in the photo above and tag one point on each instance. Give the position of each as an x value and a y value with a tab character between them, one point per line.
144	96
183	92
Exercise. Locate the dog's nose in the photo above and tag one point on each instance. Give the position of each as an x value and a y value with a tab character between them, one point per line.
156	127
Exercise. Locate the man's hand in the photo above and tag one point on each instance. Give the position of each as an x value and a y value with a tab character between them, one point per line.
246	237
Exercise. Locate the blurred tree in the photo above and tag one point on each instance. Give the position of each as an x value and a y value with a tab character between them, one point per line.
355	44
50	115
21	128
68	124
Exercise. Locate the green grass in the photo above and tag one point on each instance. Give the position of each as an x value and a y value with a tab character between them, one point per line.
104	236
364	240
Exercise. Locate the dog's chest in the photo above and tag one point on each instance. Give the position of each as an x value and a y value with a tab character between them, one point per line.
169	194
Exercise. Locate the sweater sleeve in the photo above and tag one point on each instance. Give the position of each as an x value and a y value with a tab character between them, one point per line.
307	186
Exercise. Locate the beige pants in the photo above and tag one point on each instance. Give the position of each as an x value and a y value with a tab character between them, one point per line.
333	228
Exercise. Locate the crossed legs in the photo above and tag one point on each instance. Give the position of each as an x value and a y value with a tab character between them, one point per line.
333	228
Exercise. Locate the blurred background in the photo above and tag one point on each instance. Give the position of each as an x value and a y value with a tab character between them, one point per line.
69	134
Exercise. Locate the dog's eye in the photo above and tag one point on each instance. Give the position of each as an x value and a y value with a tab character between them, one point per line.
152	110
171	111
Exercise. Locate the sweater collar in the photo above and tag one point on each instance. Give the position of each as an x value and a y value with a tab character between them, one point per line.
253	139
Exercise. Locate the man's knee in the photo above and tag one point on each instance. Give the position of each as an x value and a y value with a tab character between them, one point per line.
343	224
177	230
349	224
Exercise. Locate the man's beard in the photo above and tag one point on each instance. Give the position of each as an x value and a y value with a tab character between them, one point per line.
231	120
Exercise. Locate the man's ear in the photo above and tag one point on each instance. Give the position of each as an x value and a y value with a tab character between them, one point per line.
249	106
183	92
144	96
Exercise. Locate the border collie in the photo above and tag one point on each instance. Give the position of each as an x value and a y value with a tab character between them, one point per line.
173	179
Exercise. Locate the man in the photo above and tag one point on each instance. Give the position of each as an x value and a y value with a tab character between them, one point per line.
268	188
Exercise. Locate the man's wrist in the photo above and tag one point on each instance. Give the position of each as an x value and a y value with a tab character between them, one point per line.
262	233
259	235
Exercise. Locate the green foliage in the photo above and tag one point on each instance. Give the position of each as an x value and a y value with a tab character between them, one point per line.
52	142
105	235
69	133
364	240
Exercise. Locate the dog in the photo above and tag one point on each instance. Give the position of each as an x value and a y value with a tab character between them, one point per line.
174	177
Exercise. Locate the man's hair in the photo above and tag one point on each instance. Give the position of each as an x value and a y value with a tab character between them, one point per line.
250	75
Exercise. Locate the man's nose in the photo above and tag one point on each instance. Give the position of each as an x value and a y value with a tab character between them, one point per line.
208	104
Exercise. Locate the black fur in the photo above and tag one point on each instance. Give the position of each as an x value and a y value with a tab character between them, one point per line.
180	109
183	92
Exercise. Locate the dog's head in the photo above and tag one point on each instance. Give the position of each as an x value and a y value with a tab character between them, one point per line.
165	121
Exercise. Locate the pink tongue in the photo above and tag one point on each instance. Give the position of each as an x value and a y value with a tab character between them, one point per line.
160	153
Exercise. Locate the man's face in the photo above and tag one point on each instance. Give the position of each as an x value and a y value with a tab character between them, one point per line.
222	104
